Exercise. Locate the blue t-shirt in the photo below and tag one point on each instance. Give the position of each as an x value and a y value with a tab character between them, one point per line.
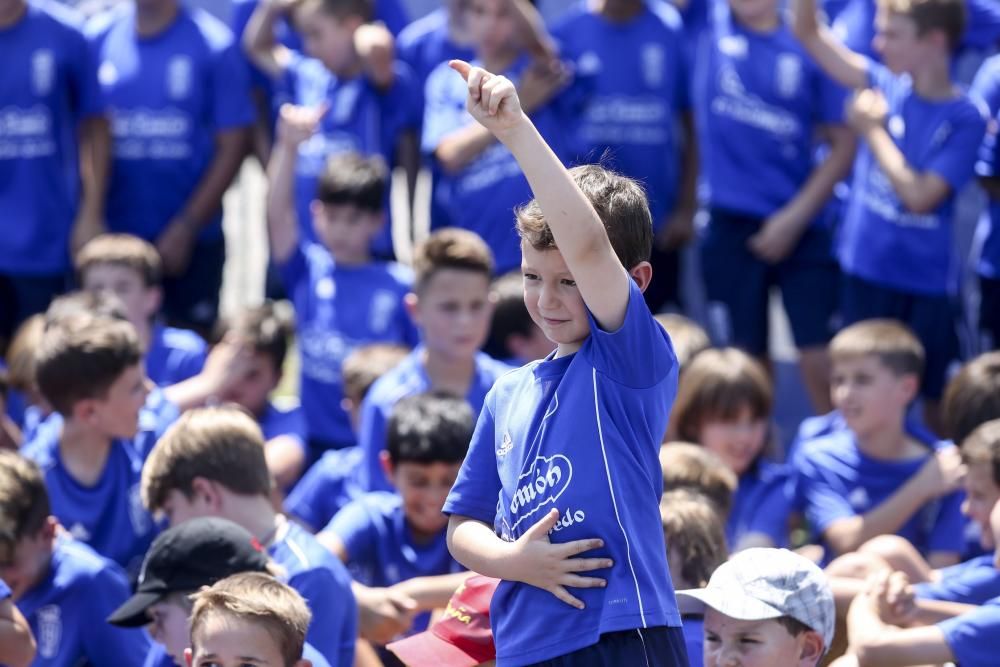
329	485
986	87
66	612
4	590
758	99
761	505
49	84
337	310
482	196
973	637
694	639
635	82
380	548
174	355
836	480
325	584
409	377
881	241
973	582
426	43
169	95
283	422
580	433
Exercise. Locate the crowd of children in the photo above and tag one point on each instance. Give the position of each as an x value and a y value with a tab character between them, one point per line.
508	449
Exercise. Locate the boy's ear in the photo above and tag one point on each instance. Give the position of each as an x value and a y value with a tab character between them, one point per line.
811	648
207	491
412	303
84	411
910	385
642	274
188	657
387	467
153	300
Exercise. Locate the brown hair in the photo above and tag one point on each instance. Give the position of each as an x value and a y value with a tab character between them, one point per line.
366	364
983	446
693	529
972	397
24	502
260	600
123	250
717	385
81	357
889	341
21	354
222	444
451	248
621	205
687	337
694	468
266	329
948	16
342	9
353	179
85	303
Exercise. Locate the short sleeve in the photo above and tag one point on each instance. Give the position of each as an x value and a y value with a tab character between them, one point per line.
355	526
4	590
822	502
477	487
326	487
639	354
106	644
330	614
972	582
882	78
986	85
948	533
972	637
232	106
371	441
444	107
955	159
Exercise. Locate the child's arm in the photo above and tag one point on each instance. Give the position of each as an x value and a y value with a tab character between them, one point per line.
95	160
259	44
848	68
679	227
578	231
376	49
431	592
17	646
782	230
920	192
532	559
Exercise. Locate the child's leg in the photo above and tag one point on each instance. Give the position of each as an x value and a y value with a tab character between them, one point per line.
901	556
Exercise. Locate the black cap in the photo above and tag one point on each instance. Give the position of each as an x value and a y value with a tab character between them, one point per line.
196	553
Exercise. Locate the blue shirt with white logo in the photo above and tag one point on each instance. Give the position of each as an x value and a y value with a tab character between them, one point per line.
328	486
409	377
338	309
986	87
634	79
581	434
48	86
973	637
66	612
174	355
169	95
758	100
883	242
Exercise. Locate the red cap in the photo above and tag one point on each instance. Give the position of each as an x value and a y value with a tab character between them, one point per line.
461	637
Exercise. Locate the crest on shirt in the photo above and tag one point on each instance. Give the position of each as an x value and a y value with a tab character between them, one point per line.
788	74
730	82
589	63
652	58
43	71
383	303
506	445
49	630
179	77
107	74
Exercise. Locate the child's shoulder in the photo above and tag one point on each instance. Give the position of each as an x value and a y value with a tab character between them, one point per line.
76	565
182	340
214	32
406	378
837	444
43	447
57	16
493	369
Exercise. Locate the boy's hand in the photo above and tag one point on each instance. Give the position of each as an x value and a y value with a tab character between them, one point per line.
867	110
552	567
942	473
296	123
492	100
175	244
895	599
384	613
776	238
376	49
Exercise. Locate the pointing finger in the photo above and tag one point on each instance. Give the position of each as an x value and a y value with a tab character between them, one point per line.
461	67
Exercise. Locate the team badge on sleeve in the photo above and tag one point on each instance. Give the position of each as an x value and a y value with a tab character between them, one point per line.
43	71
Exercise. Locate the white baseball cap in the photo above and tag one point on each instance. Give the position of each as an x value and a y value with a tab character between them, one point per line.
761	584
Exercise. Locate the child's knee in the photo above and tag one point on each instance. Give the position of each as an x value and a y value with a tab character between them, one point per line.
856	565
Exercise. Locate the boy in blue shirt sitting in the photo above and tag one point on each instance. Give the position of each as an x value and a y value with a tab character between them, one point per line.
563	462
59	585
131	269
920	135
395	543
343	297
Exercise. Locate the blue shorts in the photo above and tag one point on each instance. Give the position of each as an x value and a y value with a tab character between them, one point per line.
989	313
661	646
932	318
23	296
738	285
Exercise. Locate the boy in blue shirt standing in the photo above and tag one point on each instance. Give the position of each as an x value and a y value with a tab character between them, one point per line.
180	108
566	449
343	297
60	585
920	135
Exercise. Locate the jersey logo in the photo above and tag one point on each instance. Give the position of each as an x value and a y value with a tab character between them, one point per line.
653	58
539	486
179	77
325	288
43	71
79	532
788	74
49	630
730	82
506	445
734	46
383	304
107	74
589	63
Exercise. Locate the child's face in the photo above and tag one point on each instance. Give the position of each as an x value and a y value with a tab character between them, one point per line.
117	414
141	302
453	312
491	26
981	495
225	641
345	230
325	37
424	488
29	562
552	298
868	394
896	40
169	626
254	388
753	12
737	442
733	643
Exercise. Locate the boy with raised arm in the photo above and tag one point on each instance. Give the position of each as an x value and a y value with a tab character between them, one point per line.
563	462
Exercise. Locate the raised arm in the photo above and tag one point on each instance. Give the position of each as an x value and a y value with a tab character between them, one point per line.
848	68
578	231
259	44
